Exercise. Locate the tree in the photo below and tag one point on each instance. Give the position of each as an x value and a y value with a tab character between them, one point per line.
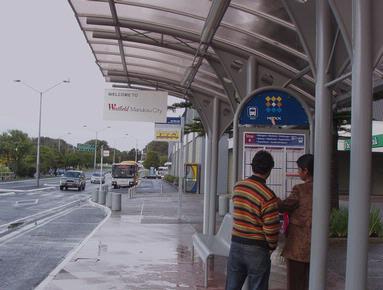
152	160
14	147
161	148
163	160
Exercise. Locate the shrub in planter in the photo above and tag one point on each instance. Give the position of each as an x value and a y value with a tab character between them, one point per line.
339	223
170	178
375	228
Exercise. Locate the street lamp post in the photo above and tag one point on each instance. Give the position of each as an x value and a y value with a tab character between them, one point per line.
95	144
135	158
40	92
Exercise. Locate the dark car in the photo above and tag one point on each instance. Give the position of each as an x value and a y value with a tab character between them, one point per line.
73	179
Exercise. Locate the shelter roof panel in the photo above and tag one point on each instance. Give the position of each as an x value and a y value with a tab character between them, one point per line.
99	8
107	66
153	15
273	8
262	28
149	41
94	27
195	7
111	58
152	48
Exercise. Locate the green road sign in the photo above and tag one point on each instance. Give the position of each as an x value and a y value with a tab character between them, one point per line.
85	147
377	141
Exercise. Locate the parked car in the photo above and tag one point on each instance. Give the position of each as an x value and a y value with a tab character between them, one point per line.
73	179
97	178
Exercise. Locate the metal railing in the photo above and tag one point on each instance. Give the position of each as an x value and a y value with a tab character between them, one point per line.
7	176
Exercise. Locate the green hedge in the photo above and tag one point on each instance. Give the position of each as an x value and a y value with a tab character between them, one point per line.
339	223
171	179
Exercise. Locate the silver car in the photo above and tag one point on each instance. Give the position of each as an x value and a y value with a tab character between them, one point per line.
73	179
97	178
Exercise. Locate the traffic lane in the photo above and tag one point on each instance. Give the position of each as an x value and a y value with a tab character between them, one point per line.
27	184
21	205
28	259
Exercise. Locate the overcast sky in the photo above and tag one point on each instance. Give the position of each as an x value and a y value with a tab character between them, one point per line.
42	44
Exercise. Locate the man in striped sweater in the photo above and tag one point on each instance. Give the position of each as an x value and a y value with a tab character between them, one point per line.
255	228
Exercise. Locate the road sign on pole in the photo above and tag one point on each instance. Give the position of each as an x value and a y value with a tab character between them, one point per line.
85	147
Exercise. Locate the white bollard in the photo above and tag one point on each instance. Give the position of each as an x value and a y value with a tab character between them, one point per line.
101	197
116	201
108	201
223	204
231	206
95	195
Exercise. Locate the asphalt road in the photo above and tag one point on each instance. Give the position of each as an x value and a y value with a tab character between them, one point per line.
28	255
27	184
21	204
26	260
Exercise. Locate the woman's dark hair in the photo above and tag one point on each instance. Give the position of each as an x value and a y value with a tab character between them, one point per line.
262	162
306	161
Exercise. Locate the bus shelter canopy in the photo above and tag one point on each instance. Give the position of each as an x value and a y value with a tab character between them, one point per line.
200	48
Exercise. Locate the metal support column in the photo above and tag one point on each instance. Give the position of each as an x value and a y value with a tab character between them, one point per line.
360	158
322	164
251	78
186	156
207	173
251	68
194	141
214	167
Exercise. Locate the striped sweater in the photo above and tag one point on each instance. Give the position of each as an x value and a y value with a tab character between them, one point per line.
256	216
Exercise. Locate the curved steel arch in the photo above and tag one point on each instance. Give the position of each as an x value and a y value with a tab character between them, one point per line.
158	28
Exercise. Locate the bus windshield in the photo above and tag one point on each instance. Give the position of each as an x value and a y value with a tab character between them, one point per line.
123	171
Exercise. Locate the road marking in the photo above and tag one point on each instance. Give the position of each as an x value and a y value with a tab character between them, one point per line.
26	202
8	193
6	190
142	210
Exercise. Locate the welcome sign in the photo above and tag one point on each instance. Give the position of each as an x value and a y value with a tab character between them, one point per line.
136	106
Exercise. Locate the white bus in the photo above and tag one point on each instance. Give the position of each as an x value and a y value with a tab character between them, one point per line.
124	174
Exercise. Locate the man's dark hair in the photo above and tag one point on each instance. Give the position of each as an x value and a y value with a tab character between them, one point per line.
262	162
306	161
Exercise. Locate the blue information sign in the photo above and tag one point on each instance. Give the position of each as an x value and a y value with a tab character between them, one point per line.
173	120
277	139
273	107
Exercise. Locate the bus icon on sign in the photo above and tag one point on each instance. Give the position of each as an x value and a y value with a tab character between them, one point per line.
252	112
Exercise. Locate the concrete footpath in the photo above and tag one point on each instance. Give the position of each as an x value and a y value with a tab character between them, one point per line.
147	247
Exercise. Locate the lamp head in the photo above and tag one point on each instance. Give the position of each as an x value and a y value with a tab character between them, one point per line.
17	81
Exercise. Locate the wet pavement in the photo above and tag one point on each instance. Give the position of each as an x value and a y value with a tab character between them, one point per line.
146	247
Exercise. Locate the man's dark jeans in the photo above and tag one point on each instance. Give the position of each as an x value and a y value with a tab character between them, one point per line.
248	261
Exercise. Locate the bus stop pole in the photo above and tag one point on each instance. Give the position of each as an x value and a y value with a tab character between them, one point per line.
214	167
180	170
322	155
207	181
102	155
360	157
